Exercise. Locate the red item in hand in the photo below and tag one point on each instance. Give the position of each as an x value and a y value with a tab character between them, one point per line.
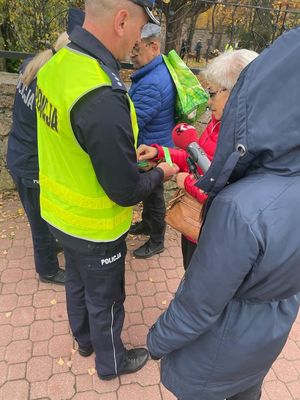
184	134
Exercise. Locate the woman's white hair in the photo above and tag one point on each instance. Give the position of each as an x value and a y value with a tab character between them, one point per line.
224	70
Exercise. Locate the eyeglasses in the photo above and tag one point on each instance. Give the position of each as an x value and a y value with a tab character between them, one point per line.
213	94
136	48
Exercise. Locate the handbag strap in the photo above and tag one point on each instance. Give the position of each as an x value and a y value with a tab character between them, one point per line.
178	195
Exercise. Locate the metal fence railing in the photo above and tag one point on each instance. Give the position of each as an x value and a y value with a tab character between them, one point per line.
17	55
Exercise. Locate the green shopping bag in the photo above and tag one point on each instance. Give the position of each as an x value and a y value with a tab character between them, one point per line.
191	100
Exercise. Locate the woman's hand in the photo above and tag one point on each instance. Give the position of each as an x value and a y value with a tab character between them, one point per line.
181	178
168	170
145	152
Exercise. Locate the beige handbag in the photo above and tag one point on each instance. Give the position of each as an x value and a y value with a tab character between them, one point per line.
184	214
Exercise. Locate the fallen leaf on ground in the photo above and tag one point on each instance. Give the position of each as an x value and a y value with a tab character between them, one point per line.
91	371
60	361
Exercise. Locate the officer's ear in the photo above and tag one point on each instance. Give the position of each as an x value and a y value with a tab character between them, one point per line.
121	20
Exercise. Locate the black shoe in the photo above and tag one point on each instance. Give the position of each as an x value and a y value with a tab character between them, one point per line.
85	352
57	279
134	360
148	249
139	229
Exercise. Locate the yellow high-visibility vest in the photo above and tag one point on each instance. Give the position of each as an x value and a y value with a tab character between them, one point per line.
72	200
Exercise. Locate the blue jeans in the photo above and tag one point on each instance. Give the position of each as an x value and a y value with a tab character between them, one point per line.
44	243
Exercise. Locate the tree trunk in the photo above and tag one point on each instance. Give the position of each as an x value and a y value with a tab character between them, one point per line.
191	31
174	25
177	12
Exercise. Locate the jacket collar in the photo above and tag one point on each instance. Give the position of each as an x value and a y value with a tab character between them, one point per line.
141	72
84	41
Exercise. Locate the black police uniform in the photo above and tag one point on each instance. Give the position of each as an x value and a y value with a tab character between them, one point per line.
95	272
22	161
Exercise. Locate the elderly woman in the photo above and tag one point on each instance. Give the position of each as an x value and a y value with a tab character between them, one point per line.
222	74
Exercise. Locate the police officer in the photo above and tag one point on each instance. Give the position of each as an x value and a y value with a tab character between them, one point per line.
87	131
22	161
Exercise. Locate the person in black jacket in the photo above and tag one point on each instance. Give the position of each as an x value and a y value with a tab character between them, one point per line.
22	161
183	48
198	48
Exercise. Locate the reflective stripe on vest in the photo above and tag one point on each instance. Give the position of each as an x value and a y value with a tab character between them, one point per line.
72	200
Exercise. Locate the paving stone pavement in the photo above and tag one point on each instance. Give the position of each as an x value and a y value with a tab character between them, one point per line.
38	357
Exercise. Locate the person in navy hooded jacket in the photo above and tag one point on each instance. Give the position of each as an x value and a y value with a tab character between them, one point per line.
235	307
153	94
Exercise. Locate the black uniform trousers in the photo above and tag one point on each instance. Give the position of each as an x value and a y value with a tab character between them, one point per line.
95	291
154	211
44	243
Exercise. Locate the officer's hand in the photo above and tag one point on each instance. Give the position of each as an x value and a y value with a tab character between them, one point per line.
169	171
145	152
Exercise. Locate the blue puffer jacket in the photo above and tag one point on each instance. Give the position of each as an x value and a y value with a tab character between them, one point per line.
153	94
234	309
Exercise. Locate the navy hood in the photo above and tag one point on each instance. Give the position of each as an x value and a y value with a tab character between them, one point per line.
260	127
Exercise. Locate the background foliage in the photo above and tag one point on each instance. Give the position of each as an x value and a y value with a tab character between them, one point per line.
255	24
32	25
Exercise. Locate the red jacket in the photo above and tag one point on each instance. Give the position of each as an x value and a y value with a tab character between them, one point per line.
208	142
